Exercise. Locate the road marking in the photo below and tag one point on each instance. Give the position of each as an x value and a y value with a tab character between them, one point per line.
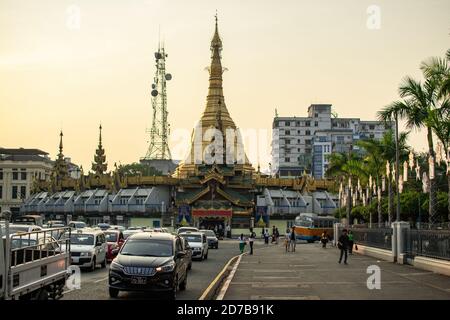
67	291
224	288
415	274
100	280
217	278
284	298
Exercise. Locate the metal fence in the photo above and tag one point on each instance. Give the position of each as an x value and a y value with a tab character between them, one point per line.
427	243
372	237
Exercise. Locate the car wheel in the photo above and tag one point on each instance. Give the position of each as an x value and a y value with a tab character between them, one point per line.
206	255
113	293
184	283
94	263
217	246
103	264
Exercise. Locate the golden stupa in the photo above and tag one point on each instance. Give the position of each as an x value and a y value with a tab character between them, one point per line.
215	116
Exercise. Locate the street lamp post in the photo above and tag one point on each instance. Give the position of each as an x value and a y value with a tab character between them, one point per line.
397	156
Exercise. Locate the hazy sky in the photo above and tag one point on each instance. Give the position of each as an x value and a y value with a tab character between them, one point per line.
279	54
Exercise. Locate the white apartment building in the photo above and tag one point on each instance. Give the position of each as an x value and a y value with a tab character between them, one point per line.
302	144
18	169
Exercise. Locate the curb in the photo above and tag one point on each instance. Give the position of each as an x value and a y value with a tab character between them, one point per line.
210	291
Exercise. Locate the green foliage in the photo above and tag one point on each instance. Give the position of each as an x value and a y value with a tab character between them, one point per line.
136	169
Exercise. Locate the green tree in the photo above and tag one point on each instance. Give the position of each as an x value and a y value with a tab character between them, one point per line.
417	106
136	169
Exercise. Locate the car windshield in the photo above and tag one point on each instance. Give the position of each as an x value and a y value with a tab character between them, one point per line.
79	225
15	229
209	233
181	230
111	236
20	243
147	248
82	239
192	237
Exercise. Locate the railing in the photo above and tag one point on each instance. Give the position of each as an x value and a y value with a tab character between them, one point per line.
373	237
427	243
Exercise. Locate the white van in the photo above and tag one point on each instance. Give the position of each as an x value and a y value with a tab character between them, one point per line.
88	248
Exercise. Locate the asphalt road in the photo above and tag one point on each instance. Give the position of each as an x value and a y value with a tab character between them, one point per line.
94	285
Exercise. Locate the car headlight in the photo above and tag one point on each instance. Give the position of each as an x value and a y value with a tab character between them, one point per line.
85	254
166	268
115	266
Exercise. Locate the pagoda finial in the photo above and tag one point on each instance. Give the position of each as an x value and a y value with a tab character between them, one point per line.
100	136
60	142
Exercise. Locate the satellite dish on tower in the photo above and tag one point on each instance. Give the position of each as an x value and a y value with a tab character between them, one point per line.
158	55
154	93
168	76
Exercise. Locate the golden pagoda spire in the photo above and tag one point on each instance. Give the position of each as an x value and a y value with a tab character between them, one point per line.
215	101
60	166
99	165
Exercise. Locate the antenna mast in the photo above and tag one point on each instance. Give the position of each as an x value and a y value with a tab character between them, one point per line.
160	130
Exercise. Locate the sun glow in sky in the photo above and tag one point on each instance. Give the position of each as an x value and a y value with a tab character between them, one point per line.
57	74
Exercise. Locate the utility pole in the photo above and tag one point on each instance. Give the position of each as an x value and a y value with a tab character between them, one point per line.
397	156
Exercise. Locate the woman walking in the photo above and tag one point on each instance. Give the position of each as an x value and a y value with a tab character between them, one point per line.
293	238
324	239
350	242
242	243
287	239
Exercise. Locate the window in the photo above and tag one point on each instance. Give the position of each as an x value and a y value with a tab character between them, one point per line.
23	174
15	174
307	133
287	141
308	150
298	149
372	136
372	127
287	124
287	132
287	159
307	123
316	115
316	123
298	132
23	192
308	142
298	140
14	192
297	123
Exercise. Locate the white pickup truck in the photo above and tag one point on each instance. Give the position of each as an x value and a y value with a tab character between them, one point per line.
33	265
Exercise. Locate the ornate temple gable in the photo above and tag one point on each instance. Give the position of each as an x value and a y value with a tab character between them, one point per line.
214	174
235	198
191	196
99	165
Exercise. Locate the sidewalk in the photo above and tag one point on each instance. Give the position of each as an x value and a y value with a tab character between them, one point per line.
313	273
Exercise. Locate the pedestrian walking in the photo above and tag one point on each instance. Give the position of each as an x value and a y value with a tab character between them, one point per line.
350	242
251	240
292	239
266	236
228	228
242	243
277	235
343	245
287	239
324	239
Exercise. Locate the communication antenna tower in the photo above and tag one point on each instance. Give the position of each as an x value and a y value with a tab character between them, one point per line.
160	130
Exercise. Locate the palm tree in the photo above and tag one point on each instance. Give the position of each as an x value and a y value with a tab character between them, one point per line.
377	152
343	166
419	102
439	69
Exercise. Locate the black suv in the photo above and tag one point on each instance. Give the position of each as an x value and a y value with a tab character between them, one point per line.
149	261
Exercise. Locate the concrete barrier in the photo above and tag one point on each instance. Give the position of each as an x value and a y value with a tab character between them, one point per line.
433	265
375	253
